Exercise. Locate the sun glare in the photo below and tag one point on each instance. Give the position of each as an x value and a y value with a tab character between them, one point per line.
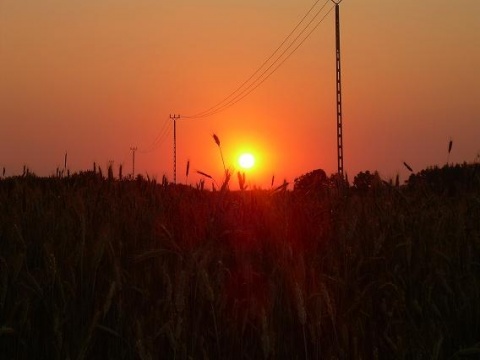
246	161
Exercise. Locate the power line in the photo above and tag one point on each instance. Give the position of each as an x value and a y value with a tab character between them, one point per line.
258	81
249	90
261	66
239	94
158	141
161	136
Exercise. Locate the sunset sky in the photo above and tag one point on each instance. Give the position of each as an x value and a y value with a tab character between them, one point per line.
94	78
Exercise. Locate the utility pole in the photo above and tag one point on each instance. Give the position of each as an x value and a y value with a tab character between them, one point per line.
133	149
339	89
174	118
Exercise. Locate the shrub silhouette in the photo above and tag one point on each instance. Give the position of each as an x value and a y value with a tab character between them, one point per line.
314	180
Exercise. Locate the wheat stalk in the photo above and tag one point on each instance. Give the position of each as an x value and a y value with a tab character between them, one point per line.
180	291
241	180
108	299
204	174
450	144
302	314
408	166
217	141
266	341
4	282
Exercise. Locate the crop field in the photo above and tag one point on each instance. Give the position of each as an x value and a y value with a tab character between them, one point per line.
95	268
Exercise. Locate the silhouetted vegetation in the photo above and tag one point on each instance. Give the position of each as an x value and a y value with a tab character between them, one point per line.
134	269
448	180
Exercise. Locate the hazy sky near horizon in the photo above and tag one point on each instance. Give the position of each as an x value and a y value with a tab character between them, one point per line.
94	78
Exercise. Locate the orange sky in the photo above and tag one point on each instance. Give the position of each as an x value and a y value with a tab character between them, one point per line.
94	78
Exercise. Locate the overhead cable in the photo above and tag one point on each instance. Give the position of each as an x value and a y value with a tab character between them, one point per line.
162	135
243	90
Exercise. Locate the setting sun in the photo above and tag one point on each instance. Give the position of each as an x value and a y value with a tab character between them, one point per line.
246	161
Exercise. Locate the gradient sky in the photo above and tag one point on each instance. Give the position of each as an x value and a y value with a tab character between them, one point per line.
94	78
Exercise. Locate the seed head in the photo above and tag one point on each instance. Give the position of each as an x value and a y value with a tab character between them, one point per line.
407	166
217	140
204	174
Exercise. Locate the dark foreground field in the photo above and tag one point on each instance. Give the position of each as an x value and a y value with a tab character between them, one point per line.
105	269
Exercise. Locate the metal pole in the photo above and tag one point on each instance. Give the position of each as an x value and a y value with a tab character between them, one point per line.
133	149
174	118
339	89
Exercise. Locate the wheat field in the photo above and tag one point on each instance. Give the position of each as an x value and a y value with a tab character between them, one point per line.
94	268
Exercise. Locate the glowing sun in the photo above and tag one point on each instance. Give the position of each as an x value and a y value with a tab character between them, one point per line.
246	161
